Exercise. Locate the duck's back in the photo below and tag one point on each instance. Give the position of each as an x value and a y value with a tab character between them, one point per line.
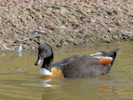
81	66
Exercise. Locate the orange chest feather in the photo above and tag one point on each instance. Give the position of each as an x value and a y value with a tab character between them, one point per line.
56	73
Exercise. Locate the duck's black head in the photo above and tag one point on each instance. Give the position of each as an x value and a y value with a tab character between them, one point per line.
45	54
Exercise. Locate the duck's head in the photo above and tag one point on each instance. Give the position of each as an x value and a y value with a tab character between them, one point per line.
45	54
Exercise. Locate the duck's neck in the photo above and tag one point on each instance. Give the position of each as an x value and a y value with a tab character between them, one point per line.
47	62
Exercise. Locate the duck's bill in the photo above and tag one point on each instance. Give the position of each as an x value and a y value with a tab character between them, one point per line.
38	62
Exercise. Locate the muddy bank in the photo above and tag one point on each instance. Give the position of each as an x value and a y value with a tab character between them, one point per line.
65	24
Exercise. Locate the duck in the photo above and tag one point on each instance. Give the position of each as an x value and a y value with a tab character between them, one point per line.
76	66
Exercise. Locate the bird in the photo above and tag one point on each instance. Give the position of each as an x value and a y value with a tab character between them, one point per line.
76	66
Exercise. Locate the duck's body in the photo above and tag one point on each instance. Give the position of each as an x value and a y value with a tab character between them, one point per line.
75	66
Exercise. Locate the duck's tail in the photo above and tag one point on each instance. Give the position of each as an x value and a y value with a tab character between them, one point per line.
112	54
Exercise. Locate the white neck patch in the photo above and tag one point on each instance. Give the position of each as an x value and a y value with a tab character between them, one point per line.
44	71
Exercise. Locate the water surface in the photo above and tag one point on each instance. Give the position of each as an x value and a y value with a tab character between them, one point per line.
19	77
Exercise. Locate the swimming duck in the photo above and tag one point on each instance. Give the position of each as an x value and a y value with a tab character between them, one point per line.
77	66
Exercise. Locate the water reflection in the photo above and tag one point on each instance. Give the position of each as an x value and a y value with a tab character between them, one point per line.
20	54
82	90
78	90
45	83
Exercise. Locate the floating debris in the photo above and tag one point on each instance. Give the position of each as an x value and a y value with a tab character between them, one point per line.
7	48
20	49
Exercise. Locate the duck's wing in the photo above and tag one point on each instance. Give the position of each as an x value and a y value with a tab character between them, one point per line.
109	55
82	66
87	65
66	61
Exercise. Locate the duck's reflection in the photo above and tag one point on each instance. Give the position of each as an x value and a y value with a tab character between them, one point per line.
45	83
77	89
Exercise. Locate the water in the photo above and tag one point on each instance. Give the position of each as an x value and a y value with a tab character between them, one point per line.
19	77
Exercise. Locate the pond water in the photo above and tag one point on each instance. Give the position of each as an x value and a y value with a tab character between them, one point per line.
19	78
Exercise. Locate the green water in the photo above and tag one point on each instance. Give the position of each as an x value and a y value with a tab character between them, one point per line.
19	77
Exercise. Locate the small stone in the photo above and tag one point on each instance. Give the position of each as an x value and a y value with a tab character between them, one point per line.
111	30
109	13
115	37
92	20
115	12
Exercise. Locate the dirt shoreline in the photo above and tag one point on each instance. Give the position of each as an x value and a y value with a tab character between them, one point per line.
65	24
